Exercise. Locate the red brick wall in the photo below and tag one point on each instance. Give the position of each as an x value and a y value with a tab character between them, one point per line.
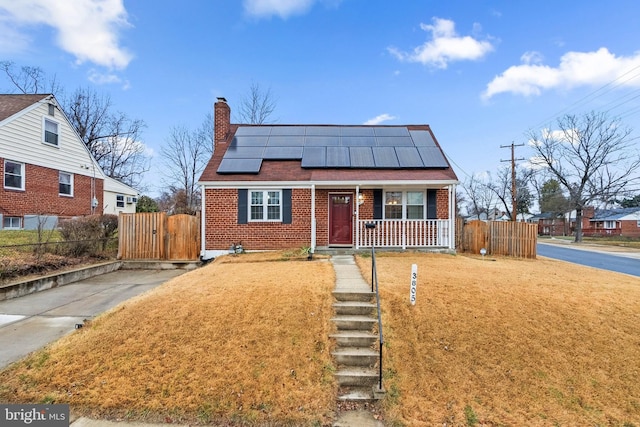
41	194
222	228
630	228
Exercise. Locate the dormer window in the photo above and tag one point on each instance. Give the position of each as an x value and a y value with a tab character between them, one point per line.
50	132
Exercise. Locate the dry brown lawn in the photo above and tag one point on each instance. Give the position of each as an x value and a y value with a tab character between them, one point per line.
243	340
508	342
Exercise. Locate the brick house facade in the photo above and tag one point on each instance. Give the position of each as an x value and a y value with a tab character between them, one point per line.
273	187
47	170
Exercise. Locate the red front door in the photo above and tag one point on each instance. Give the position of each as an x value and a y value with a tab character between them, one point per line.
340	219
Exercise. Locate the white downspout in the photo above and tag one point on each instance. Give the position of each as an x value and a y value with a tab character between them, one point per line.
452	217
313	218
202	222
357	202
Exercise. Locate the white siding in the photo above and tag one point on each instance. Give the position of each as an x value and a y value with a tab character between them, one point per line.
112	188
22	136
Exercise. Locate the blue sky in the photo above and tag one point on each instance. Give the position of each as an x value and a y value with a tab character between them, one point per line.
481	73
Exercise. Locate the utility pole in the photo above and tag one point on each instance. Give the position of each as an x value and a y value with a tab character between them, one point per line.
514	198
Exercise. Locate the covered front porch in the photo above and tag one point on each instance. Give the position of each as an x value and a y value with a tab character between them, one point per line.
397	216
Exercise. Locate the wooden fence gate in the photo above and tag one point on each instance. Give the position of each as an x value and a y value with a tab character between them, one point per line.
516	239
156	236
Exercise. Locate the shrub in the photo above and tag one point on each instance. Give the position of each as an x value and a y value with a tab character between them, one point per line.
88	235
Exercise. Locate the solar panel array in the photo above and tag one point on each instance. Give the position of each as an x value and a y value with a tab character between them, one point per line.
368	147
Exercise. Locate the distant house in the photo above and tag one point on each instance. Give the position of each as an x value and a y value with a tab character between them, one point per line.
325	186
624	222
48	172
552	224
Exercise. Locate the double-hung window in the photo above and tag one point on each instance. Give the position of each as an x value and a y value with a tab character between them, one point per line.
13	175
404	205
119	201
265	205
50	132
65	184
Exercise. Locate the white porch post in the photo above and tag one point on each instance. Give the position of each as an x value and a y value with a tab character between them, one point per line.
313	218
452	217
202	221
357	202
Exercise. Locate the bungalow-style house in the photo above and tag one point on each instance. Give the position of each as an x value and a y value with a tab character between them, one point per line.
47	170
272	187
624	222
552	224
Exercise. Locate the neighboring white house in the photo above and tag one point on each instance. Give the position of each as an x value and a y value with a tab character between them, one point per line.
119	197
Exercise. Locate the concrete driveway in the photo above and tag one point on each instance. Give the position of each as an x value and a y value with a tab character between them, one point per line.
32	321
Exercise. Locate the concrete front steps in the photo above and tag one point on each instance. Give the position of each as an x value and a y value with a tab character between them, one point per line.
356	353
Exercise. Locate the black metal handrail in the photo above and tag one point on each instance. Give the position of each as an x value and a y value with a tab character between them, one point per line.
374	288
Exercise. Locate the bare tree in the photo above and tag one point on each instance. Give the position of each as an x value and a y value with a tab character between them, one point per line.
481	198
591	156
257	106
30	80
89	113
185	155
502	188
121	155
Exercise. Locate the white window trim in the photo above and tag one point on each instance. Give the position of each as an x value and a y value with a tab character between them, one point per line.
44	127
22	175
19	227
60	173
265	205
118	201
404	204
609	225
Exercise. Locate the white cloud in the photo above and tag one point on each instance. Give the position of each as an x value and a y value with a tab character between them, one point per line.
380	119
87	29
575	69
282	8
445	46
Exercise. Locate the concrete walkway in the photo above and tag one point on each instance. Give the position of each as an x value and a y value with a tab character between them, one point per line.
349	279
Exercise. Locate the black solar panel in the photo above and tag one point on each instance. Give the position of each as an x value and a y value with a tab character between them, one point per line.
391	131
385	157
239	165
432	157
253	131
282	153
358	141
408	157
422	138
287	130
356	131
361	157
314	157
338	157
321	141
244	153
332	147
285	141
248	141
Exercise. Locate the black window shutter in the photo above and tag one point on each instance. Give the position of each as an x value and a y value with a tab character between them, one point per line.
377	204
286	206
242	205
432	204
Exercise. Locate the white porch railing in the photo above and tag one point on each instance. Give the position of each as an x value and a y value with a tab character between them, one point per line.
399	233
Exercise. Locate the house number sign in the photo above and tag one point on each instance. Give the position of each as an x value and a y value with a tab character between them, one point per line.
414	283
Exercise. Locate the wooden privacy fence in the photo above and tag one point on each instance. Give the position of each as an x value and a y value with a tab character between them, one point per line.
157	236
517	239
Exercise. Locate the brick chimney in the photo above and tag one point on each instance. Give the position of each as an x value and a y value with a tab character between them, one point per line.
222	122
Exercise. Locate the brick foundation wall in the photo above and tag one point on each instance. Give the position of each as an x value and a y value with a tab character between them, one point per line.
40	196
